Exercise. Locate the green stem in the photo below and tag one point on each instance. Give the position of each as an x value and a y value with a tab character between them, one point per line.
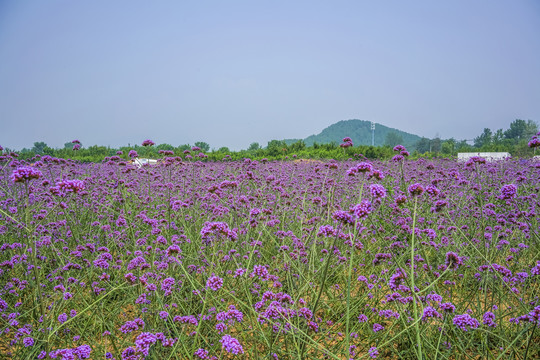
417	325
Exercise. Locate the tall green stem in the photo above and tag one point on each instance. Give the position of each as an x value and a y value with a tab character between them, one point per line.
417	325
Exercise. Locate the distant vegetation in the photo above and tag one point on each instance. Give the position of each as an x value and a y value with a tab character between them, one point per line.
360	133
325	145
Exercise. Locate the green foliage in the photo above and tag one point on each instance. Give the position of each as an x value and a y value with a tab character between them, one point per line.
483	139
38	147
254	146
514	140
392	139
205	147
360	133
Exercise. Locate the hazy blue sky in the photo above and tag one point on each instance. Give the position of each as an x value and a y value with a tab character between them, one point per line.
234	72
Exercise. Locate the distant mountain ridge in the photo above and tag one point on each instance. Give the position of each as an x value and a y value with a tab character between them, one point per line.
360	133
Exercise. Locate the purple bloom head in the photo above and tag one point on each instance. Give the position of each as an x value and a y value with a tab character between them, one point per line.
362	210
231	345
75	141
453	261
67	186
76	147
416	189
148	143
373	352
25	173
399	148
215	283
465	322
28	341
364	167
535	142
377	191
62	318
508	191
201	354
212	230
397	158
133	154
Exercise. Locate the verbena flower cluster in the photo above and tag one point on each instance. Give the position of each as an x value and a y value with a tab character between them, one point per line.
272	259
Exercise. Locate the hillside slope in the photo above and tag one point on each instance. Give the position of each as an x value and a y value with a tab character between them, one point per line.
360	133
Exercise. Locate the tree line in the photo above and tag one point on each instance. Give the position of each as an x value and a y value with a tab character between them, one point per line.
513	140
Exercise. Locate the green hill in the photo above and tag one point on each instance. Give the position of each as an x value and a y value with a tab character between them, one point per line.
360	133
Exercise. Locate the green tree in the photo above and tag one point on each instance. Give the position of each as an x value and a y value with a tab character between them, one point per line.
39	147
422	145
275	147
392	139
531	129
204	146
498	137
483	139
517	130
297	146
183	147
165	147
435	144
254	146
448	146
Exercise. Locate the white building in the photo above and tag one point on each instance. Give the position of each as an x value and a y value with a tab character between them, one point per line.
489	156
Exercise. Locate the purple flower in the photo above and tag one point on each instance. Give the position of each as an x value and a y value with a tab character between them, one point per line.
215	283
212	230
362	210
62	318
465	322
377	191
260	271
28	341
67	186
430	312
489	319
144	341
25	173
201	354
508	191
448	307
373	352
362	318
453	261
231	345
163	314
416	189
364	167
343	217
83	351
148	143
535	142
133	154
377	327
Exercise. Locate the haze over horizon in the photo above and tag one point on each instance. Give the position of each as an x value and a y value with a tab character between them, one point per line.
233	73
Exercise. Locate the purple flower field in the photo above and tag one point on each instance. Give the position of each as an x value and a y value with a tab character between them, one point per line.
269	260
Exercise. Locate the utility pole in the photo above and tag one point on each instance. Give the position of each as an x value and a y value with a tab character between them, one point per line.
372	133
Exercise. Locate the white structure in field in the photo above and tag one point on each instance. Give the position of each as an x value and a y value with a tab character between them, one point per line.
489	156
138	162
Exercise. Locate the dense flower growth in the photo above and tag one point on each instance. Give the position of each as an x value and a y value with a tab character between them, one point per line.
275	260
